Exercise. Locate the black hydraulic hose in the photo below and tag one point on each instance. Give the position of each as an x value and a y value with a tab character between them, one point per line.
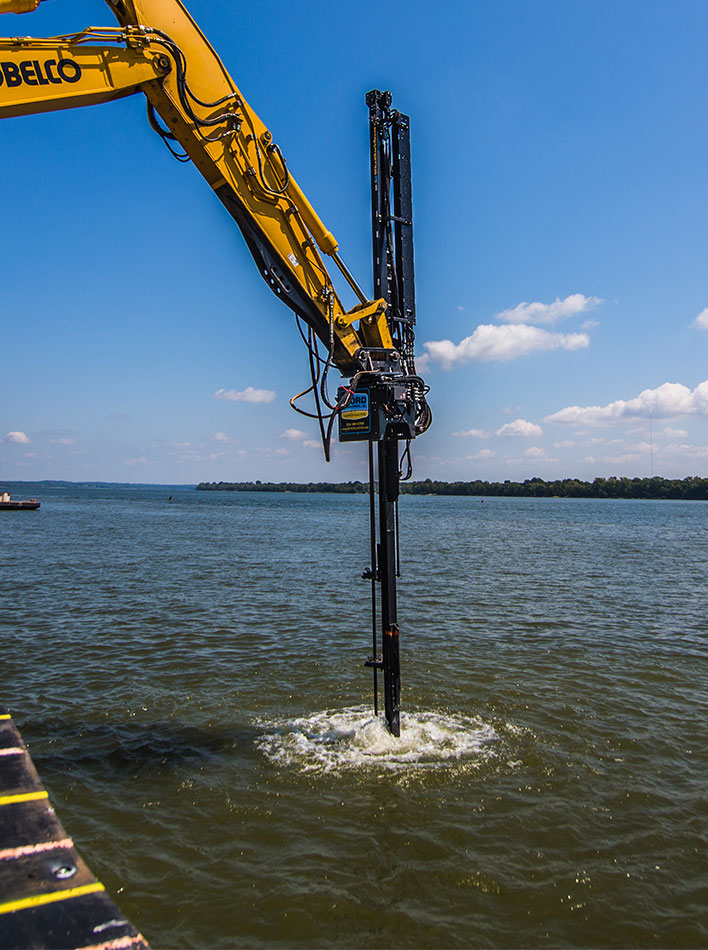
183	87
314	375
330	358
166	136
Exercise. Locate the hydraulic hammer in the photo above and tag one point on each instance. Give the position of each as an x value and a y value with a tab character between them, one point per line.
378	406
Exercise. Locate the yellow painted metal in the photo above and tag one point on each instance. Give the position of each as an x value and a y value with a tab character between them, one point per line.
39	900
227	141
23	797
326	241
375	329
368	312
38	75
19	6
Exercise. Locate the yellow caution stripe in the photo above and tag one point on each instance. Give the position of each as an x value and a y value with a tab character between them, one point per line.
39	899
24	797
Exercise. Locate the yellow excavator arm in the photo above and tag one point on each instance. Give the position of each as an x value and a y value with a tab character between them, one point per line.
196	106
19	6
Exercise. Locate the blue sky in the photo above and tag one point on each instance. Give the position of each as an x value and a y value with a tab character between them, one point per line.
560	162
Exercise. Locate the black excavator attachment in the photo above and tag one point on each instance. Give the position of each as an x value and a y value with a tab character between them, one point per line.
385	403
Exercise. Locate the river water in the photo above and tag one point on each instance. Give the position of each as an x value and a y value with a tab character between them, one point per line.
188	675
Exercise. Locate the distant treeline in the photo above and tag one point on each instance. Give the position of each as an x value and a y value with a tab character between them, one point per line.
693	488
334	488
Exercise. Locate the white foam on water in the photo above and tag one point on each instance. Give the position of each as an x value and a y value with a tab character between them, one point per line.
352	738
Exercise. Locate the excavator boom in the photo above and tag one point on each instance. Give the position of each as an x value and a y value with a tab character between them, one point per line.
196	105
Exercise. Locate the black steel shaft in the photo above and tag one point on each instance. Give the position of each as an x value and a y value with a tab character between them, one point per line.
374	559
393	272
388	495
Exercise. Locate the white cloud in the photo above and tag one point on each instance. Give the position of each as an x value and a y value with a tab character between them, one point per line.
198	455
249	394
491	343
701	320
223	437
620	459
471	434
520	427
689	451
66	441
422	362
535	452
312	444
485	454
293	434
524	460
549	312
628	453
674	433
18	437
666	401
589	324
566	444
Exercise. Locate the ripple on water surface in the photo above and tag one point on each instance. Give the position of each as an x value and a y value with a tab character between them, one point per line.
165	667
332	741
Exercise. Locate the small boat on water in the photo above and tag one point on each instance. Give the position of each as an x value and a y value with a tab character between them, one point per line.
6	503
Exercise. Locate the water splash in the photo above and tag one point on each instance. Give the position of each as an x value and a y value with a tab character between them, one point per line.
351	738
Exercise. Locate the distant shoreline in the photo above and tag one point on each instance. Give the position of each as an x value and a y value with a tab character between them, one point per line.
64	483
692	488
